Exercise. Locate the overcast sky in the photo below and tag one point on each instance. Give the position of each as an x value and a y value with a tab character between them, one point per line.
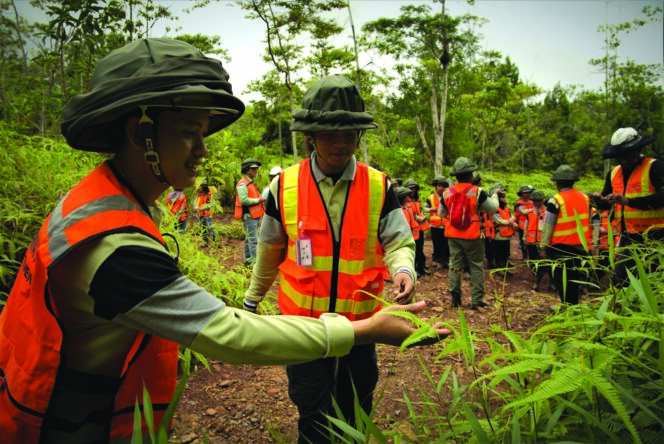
549	41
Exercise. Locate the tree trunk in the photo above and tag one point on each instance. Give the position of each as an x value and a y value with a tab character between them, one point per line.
358	81
422	133
440	159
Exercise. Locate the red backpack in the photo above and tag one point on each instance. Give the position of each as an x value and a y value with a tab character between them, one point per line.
459	208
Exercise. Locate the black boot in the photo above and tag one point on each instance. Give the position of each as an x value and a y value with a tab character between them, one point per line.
538	281
456	300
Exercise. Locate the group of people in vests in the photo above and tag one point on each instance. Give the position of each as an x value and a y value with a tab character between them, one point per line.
203	208
559	235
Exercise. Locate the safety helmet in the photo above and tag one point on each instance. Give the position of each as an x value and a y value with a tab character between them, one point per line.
332	103
525	189
440	180
537	195
623	141
410	183
564	173
248	164
462	166
275	171
156	72
402	192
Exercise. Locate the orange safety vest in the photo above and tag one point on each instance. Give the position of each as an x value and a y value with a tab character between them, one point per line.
638	185
473	231
256	211
412	222
434	219
605	222
204	201
177	201
566	231
535	223
32	341
521	218
416	207
346	276
489	226
505	230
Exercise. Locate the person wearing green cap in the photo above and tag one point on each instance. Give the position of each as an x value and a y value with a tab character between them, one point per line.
203	208
441	250
249	207
415	204
334	229
533	236
521	208
100	307
404	197
563	240
634	192
461	205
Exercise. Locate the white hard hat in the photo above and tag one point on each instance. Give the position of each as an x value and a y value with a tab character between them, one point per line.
275	170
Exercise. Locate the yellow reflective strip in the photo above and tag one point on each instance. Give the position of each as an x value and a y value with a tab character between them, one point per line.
290	198
350	306
303	300
324	263
376	198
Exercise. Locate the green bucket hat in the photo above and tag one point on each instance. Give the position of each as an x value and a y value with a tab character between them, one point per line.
537	195
332	103
402	192
249	163
462	166
564	173
525	189
410	183
440	180
156	72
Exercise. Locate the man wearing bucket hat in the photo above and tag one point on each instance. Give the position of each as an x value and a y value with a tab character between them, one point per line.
441	251
634	190
249	207
563	239
203	207
533	236
404	197
100	307
462	204
416	206
333	228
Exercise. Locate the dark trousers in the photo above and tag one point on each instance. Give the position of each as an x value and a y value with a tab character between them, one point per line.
630	244
488	253
567	272
441	249
420	258
501	252
312	385
533	255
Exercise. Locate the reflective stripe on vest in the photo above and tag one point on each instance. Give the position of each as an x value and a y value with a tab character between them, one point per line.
346	277
179	205
473	230
416	207
488	225
535	223
412	223
505	230
31	341
571	202
434	219
255	211
204	204
638	185
518	216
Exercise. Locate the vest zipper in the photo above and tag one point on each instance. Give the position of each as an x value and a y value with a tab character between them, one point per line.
4	387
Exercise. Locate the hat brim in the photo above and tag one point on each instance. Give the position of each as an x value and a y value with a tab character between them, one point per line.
612	151
309	121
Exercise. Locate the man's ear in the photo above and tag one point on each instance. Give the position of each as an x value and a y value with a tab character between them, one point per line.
133	134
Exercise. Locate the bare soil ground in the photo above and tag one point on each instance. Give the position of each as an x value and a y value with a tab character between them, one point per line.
250	404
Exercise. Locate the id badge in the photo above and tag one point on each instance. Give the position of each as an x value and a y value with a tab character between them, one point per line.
305	255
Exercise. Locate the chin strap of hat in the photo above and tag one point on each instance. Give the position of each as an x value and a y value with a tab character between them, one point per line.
151	156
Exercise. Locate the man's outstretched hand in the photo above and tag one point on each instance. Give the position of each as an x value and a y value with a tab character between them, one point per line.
385	328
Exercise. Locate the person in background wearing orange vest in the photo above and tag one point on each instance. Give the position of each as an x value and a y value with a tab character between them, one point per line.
488	230
466	244
249	207
533	236
560	234
403	196
441	250
333	228
100	307
634	190
416	206
505	225
203	209
176	201
521	208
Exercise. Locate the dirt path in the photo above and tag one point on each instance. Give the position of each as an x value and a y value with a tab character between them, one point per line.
249	404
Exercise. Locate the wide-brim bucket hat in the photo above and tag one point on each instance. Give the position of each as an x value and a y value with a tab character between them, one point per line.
249	163
623	141
402	192
462	166
332	103
156	72
565	173
440	180
525	189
